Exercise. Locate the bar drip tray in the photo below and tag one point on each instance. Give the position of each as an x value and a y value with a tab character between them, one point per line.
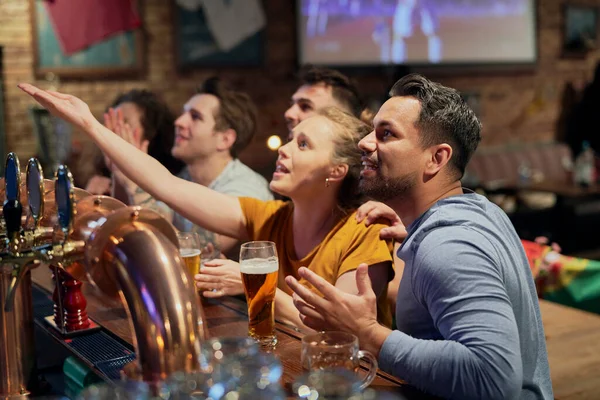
96	347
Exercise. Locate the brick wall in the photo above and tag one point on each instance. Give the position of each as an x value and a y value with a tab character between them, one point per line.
515	106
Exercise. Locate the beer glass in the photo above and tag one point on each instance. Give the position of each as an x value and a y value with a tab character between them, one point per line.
218	356
259	266
341	384
221	349
253	375
189	250
123	390
334	351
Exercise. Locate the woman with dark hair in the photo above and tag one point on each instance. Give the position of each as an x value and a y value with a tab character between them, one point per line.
143	110
143	115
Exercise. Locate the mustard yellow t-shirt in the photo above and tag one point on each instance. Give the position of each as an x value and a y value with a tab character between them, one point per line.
347	245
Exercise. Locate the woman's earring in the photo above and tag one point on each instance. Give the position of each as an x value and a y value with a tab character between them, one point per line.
326	182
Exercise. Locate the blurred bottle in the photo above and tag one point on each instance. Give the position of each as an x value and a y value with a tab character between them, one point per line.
524	172
585	166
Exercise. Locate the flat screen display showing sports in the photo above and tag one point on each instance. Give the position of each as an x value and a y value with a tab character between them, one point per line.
416	32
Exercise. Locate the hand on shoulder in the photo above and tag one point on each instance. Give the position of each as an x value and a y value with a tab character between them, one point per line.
375	212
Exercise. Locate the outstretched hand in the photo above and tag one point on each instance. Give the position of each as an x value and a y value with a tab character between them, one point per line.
65	106
337	310
373	211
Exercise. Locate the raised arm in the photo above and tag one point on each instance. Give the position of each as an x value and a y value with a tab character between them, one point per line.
212	210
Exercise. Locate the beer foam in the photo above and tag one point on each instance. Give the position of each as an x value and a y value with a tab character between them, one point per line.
189	252
259	266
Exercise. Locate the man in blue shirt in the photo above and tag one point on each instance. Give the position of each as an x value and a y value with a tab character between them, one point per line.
469	324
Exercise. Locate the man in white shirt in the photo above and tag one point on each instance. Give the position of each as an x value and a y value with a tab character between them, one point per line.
217	123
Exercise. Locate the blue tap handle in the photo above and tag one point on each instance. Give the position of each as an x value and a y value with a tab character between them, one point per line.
12	212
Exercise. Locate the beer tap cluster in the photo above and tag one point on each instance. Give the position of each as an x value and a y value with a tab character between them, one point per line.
126	252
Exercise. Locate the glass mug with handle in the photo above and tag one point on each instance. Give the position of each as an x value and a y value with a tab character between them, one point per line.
259	266
336	350
189	250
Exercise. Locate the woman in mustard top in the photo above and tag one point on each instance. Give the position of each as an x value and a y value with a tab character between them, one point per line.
318	169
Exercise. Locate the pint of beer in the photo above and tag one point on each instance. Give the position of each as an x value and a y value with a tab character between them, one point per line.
191	257
259	266
189	250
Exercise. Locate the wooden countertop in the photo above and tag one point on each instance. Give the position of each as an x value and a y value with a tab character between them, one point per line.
224	317
572	339
573	343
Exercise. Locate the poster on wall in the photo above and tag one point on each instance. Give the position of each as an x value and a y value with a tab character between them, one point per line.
218	33
580	31
87	38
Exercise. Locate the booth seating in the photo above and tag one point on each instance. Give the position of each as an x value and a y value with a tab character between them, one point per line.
533	184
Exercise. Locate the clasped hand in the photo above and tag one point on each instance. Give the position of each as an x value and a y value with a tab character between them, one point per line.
219	278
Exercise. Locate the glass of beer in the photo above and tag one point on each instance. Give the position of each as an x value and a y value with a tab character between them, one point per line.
189	250
259	266
335	351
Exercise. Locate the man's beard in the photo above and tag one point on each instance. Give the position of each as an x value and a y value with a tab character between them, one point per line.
384	189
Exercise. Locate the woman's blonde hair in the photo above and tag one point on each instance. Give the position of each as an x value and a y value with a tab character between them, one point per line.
349	131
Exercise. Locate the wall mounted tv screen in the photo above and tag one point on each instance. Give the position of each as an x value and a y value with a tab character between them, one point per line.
416	32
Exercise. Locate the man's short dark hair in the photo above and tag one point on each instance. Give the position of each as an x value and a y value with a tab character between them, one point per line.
236	111
444	117
342	88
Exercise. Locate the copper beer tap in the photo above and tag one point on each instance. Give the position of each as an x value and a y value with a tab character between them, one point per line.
127	252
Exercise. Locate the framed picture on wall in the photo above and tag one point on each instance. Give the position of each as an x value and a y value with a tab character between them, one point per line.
580	29
76	41
196	47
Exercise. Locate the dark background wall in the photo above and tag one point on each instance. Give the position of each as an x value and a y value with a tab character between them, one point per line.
515	105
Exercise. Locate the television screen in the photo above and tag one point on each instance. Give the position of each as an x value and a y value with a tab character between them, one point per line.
374	32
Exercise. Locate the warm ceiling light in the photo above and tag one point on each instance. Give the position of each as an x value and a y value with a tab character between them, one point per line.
274	142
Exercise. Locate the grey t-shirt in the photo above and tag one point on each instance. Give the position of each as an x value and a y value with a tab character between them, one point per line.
237	179
469	323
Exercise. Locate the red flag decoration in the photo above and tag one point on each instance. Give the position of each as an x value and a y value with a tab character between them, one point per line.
82	23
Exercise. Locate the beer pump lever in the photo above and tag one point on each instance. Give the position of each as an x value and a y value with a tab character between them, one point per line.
126	252
12	212
12	209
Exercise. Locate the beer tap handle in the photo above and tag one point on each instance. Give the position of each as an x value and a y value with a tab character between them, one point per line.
65	200
12	209
12	212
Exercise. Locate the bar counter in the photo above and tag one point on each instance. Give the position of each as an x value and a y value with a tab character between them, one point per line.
572	339
224	317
